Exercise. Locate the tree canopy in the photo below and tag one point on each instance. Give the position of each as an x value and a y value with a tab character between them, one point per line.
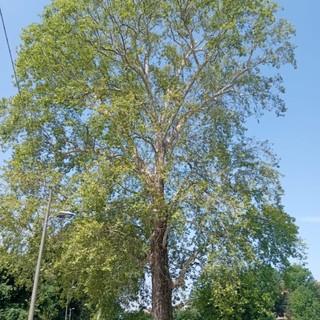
12	299
237	292
303	294
133	113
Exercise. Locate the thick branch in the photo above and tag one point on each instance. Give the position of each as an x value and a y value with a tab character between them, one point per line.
180	280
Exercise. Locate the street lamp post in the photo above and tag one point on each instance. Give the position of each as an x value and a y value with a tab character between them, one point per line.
70	313
62	214
41	248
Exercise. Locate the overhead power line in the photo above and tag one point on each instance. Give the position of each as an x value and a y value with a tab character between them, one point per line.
10	53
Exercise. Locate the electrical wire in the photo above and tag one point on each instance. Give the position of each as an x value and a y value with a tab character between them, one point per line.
10	53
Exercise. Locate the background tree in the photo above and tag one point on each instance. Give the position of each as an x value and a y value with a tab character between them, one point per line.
13	299
239	293
140	315
133	112
303	294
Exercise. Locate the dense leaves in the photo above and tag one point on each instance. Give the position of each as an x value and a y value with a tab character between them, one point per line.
13	299
302	294
237	293
133	113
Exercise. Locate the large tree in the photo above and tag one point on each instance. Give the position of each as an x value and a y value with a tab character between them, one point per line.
133	112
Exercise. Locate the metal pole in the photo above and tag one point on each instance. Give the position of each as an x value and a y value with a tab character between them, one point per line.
66	312
70	313
41	248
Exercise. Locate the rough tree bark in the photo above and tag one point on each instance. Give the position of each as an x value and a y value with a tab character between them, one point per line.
161	280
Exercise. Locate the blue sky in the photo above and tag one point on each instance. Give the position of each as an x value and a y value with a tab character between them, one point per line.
295	137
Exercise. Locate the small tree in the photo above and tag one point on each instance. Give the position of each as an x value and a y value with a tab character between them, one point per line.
13	299
237	293
303	294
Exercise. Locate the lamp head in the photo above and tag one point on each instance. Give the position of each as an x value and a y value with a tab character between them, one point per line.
65	214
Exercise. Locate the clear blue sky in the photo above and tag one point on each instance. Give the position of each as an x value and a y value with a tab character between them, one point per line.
295	137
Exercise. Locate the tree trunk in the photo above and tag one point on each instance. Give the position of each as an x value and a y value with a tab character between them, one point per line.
161	280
